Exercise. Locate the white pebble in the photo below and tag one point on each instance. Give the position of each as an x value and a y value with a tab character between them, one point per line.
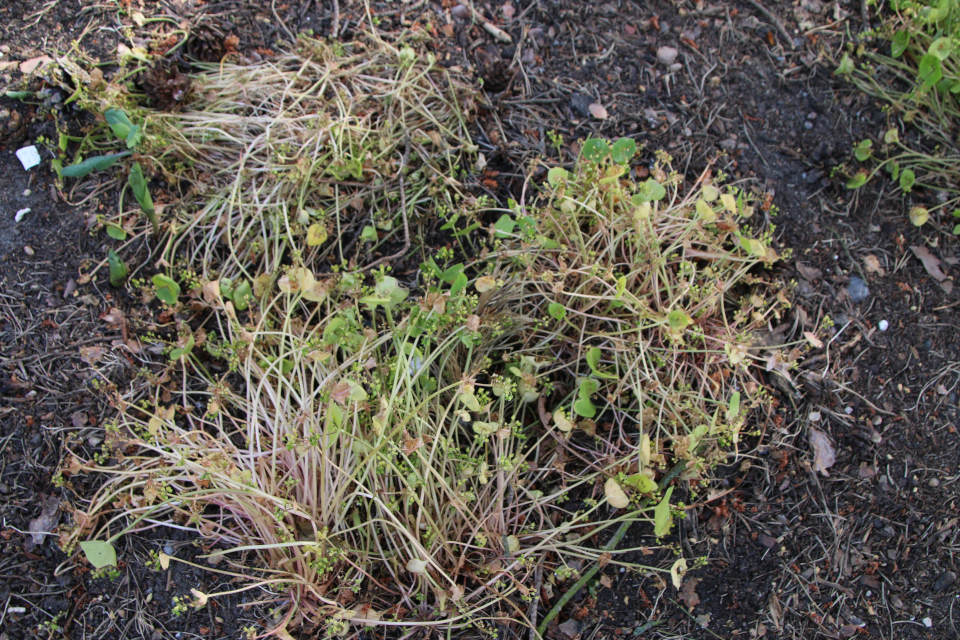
883	325
848	410
814	416
927	622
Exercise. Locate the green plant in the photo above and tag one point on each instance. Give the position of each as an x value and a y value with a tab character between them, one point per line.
131	136
910	63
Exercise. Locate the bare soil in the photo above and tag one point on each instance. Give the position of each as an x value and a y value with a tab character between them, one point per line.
868	551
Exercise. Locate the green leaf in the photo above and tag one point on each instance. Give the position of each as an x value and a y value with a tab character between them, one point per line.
901	39
585	408
119	123
96	163
167	289
588	387
661	515
556	175
593	360
179	352
595	150
504	226
956	213
118	270
641	483
863	150
470	401
459	284
956	230
19	95
941	48
678	320
857	180
907	180
845	67
117	233
557	311
623	150
100	553
929	72
450	275
649	190
138	183
734	408
369	234
241	295
387	293
894	168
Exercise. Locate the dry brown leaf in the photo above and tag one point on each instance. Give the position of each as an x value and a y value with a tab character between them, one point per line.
872	264
688	593
824	455
606	581
598	111
809	273
812	338
91	355
46	521
776	610
932	264
31	65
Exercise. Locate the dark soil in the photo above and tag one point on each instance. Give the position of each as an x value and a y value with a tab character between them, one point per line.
868	551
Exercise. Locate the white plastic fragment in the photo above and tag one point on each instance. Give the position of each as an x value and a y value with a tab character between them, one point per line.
29	157
19	216
883	325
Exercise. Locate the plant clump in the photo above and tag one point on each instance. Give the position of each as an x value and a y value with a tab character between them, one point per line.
368	451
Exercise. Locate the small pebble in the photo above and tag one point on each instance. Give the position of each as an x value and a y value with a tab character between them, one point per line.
26	192
883	325
808	125
946	579
167	549
858	290
667	55
927	622
933	482
848	410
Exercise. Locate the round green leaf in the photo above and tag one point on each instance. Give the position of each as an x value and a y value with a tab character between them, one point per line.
100	553
167	289
595	150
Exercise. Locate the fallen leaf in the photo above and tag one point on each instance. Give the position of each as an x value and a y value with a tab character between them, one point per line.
814	341
31	65
607	582
872	264
930	262
824	455
598	111
46	521
508	11
776	610
688	593
809	273
78	419
91	355
677	570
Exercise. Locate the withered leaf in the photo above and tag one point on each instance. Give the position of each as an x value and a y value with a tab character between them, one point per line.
824	455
